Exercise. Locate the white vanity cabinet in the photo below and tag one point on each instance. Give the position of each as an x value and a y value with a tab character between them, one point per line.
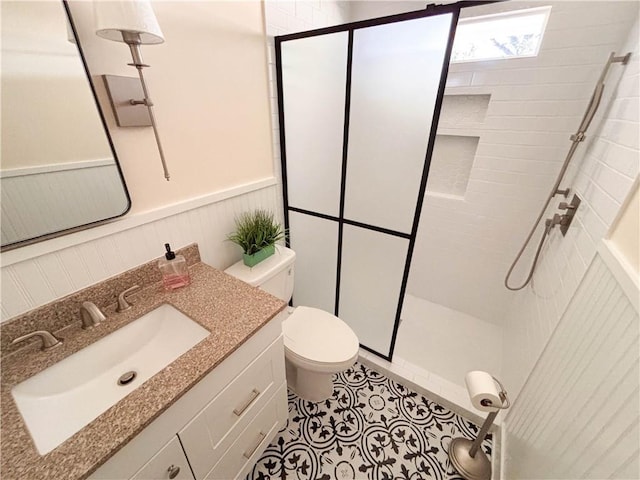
219	428
245	412
170	462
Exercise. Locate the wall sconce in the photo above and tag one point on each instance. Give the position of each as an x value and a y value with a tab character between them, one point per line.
134	23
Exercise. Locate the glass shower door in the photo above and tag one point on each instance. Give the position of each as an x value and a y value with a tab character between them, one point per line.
312	96
358	108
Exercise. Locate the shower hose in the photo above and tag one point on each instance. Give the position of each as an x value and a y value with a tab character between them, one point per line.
549	224
578	137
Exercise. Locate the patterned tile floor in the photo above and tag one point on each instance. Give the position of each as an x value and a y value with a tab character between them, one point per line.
372	428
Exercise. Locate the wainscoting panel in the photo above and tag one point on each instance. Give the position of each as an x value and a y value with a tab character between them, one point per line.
34	282
577	415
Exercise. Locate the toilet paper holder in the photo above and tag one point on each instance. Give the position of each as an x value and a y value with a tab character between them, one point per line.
466	456
503	397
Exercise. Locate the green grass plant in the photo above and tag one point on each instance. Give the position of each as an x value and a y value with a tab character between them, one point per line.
256	230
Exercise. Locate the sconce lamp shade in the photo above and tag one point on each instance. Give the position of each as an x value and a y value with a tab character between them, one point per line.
113	17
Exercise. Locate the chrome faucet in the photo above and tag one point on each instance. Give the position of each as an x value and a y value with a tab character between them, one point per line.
91	315
48	339
122	299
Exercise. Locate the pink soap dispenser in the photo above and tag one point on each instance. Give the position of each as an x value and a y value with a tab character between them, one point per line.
175	273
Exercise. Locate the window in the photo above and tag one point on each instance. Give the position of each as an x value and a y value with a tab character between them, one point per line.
504	35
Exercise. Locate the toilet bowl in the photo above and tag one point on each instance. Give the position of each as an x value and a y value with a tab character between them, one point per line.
317	343
317	346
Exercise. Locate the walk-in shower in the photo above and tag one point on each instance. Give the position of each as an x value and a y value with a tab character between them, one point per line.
359	108
410	179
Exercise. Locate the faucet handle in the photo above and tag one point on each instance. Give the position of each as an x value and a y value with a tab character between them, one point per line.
48	339
122	300
91	315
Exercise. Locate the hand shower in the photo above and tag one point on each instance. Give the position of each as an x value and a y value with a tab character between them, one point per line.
576	138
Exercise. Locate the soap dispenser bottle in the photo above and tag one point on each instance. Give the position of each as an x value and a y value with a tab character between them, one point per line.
175	273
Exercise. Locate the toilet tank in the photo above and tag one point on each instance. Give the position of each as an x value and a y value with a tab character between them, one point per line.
273	275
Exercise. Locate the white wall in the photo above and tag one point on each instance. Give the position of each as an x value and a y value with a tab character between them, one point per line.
602	180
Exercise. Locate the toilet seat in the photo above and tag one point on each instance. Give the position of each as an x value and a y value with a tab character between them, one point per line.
319	341
319	367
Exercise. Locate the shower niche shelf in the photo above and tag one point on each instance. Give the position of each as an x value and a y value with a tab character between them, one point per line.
463	111
461	123
451	165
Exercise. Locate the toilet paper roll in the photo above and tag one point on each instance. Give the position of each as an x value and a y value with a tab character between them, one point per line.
483	391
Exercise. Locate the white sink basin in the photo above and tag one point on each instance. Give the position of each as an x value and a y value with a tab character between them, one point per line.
61	400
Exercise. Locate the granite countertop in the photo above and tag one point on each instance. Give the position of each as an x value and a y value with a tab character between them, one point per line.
230	309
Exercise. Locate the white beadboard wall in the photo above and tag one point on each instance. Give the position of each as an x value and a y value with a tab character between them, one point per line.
35	281
577	415
75	196
603	179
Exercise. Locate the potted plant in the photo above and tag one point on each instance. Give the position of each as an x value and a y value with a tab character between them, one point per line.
257	233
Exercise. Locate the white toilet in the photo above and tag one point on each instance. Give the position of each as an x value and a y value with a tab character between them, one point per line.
317	344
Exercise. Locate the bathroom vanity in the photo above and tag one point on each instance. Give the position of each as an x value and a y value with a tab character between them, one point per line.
221	426
208	414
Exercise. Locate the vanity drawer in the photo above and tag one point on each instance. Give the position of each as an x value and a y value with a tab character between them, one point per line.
251	443
168	463
208	435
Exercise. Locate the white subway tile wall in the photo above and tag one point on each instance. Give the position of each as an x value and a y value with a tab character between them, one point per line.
603	179
465	247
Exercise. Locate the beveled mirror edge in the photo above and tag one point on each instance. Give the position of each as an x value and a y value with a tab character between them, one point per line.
66	231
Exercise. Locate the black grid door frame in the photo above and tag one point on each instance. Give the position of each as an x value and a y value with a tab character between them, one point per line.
431	10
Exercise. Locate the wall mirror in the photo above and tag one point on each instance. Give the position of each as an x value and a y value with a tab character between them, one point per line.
59	172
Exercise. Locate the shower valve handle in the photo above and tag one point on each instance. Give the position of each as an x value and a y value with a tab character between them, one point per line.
552	222
566	206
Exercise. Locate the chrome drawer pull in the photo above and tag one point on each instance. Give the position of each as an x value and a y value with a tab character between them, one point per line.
173	471
240	410
251	451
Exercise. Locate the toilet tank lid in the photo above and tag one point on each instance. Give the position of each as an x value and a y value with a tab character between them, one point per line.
263	271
